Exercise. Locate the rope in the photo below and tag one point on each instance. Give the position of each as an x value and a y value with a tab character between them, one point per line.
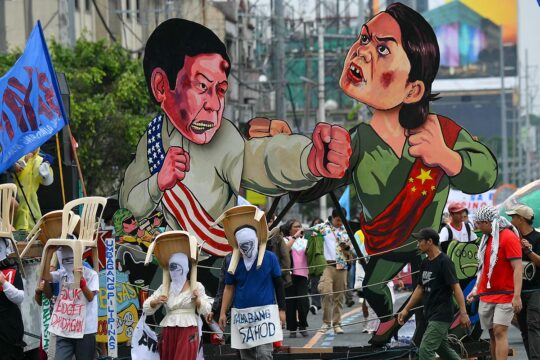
453	339
311	266
315	330
354	259
297	296
358	288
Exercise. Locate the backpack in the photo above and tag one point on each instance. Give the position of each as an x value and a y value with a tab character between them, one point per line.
451	232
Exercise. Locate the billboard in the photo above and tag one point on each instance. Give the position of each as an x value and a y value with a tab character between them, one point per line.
469	36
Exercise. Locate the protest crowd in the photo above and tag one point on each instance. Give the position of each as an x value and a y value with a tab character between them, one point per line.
254	304
179	266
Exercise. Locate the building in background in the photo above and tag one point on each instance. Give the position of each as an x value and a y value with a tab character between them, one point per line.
130	22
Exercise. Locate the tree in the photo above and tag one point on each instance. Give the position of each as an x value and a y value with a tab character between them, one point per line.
110	107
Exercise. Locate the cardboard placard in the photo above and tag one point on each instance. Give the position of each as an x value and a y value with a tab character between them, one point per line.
255	326
69	313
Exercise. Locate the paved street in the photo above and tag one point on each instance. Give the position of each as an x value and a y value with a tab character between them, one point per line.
353	331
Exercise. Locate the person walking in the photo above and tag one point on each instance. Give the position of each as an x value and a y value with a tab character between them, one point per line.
333	281
253	284
438	282
457	229
182	296
499	278
297	301
316	263
67	347
529	317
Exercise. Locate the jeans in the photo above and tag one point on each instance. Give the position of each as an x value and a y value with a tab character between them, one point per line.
261	352
83	349
529	323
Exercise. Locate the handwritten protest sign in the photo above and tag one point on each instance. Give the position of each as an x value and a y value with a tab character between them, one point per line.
127	303
69	313
255	326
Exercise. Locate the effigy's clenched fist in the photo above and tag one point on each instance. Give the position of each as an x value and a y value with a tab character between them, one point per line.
174	169
331	151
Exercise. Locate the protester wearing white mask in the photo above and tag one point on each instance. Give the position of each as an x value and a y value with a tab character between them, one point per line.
184	298
253	288
247	245
11	296
66	348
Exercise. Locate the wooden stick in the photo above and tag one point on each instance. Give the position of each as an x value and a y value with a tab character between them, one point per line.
77	161
60	170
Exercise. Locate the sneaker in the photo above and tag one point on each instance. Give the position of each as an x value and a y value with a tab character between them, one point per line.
313	309
350	303
338	329
304	332
293	334
324	328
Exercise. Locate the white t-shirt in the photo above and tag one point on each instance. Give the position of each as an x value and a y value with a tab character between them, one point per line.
92	282
459	235
330	247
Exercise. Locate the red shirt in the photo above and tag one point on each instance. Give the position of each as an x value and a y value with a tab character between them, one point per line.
502	277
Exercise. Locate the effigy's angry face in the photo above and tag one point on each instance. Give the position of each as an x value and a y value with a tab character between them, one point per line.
195	105
376	69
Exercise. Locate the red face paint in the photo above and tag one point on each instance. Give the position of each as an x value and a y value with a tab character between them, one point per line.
387	78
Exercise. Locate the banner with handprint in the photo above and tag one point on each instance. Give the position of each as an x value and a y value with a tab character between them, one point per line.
31	105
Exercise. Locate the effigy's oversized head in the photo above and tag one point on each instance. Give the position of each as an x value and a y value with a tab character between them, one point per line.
186	67
393	64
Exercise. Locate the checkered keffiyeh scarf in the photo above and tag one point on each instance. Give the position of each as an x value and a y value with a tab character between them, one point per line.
498	223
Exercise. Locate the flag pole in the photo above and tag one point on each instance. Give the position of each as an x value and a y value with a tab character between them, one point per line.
60	170
77	160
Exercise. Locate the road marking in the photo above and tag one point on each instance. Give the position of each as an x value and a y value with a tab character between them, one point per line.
318	335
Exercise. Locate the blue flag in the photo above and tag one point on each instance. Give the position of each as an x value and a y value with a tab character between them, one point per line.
345	201
32	109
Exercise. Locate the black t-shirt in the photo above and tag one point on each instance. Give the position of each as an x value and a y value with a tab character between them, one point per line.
437	277
534	239
11	329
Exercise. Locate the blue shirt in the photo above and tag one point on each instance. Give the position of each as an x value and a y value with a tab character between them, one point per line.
254	287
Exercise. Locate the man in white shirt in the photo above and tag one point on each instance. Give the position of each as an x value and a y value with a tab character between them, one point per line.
457	229
83	349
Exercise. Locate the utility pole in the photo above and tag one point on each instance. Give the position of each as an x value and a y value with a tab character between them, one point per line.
321	111
361	18
361	107
241	64
504	135
66	22
279	58
308	45
527	122
3	30
28	17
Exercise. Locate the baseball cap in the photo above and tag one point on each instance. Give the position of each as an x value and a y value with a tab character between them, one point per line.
427	233
522	210
456	207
